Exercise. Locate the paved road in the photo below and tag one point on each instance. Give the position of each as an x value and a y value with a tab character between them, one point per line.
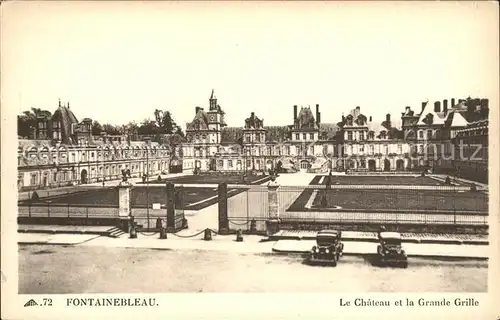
91	269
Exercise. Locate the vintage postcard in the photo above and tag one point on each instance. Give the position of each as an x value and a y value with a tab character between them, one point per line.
182	160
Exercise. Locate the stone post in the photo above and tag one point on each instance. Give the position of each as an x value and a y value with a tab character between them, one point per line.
223	214
170	207
124	212
272	223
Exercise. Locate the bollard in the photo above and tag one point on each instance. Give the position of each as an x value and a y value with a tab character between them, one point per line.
208	235
239	237
253	226
159	224
163	233
133	233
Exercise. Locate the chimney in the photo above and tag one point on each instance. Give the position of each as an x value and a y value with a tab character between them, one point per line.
317	114
423	106
294	113
437	106
452	102
445	105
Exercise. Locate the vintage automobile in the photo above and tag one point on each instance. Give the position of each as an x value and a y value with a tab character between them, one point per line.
390	250
328	248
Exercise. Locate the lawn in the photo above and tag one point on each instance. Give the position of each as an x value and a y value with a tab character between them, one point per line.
214	179
392	199
108	197
377	180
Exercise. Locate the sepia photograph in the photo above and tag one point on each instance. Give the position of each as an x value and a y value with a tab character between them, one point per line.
230	147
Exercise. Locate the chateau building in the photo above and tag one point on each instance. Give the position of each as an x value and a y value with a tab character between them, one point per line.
356	143
64	152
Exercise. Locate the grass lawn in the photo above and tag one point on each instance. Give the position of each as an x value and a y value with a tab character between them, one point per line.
139	197
377	180
393	199
214	179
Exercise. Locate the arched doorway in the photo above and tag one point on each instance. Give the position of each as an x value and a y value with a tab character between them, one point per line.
83	176
372	166
387	165
400	165
304	165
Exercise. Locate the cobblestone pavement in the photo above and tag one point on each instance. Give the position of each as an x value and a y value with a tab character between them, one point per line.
87	269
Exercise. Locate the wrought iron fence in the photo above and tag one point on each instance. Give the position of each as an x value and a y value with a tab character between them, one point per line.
425	205
73	202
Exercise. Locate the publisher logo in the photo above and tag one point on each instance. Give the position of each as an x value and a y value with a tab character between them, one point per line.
31	303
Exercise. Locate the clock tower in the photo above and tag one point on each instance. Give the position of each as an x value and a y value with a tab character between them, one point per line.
215	119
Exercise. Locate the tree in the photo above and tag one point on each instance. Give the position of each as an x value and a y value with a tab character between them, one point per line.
111	129
96	128
27	121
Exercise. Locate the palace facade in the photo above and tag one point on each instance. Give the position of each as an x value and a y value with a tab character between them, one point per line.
357	143
64	152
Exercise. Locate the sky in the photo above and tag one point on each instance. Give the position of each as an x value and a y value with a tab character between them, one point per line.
117	62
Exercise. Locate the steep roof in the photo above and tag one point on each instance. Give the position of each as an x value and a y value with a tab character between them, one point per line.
67	119
305	119
200	121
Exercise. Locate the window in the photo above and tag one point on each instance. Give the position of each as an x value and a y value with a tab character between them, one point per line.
349	135
297	136
230	163
311	136
34	179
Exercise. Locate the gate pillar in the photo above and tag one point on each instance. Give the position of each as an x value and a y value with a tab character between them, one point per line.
272	223
223	216
170	193
124	210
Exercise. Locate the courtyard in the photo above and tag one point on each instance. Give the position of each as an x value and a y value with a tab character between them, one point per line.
194	198
214	179
396	199
380	180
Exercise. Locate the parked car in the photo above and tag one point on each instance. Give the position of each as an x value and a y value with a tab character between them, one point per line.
390	251
328	248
